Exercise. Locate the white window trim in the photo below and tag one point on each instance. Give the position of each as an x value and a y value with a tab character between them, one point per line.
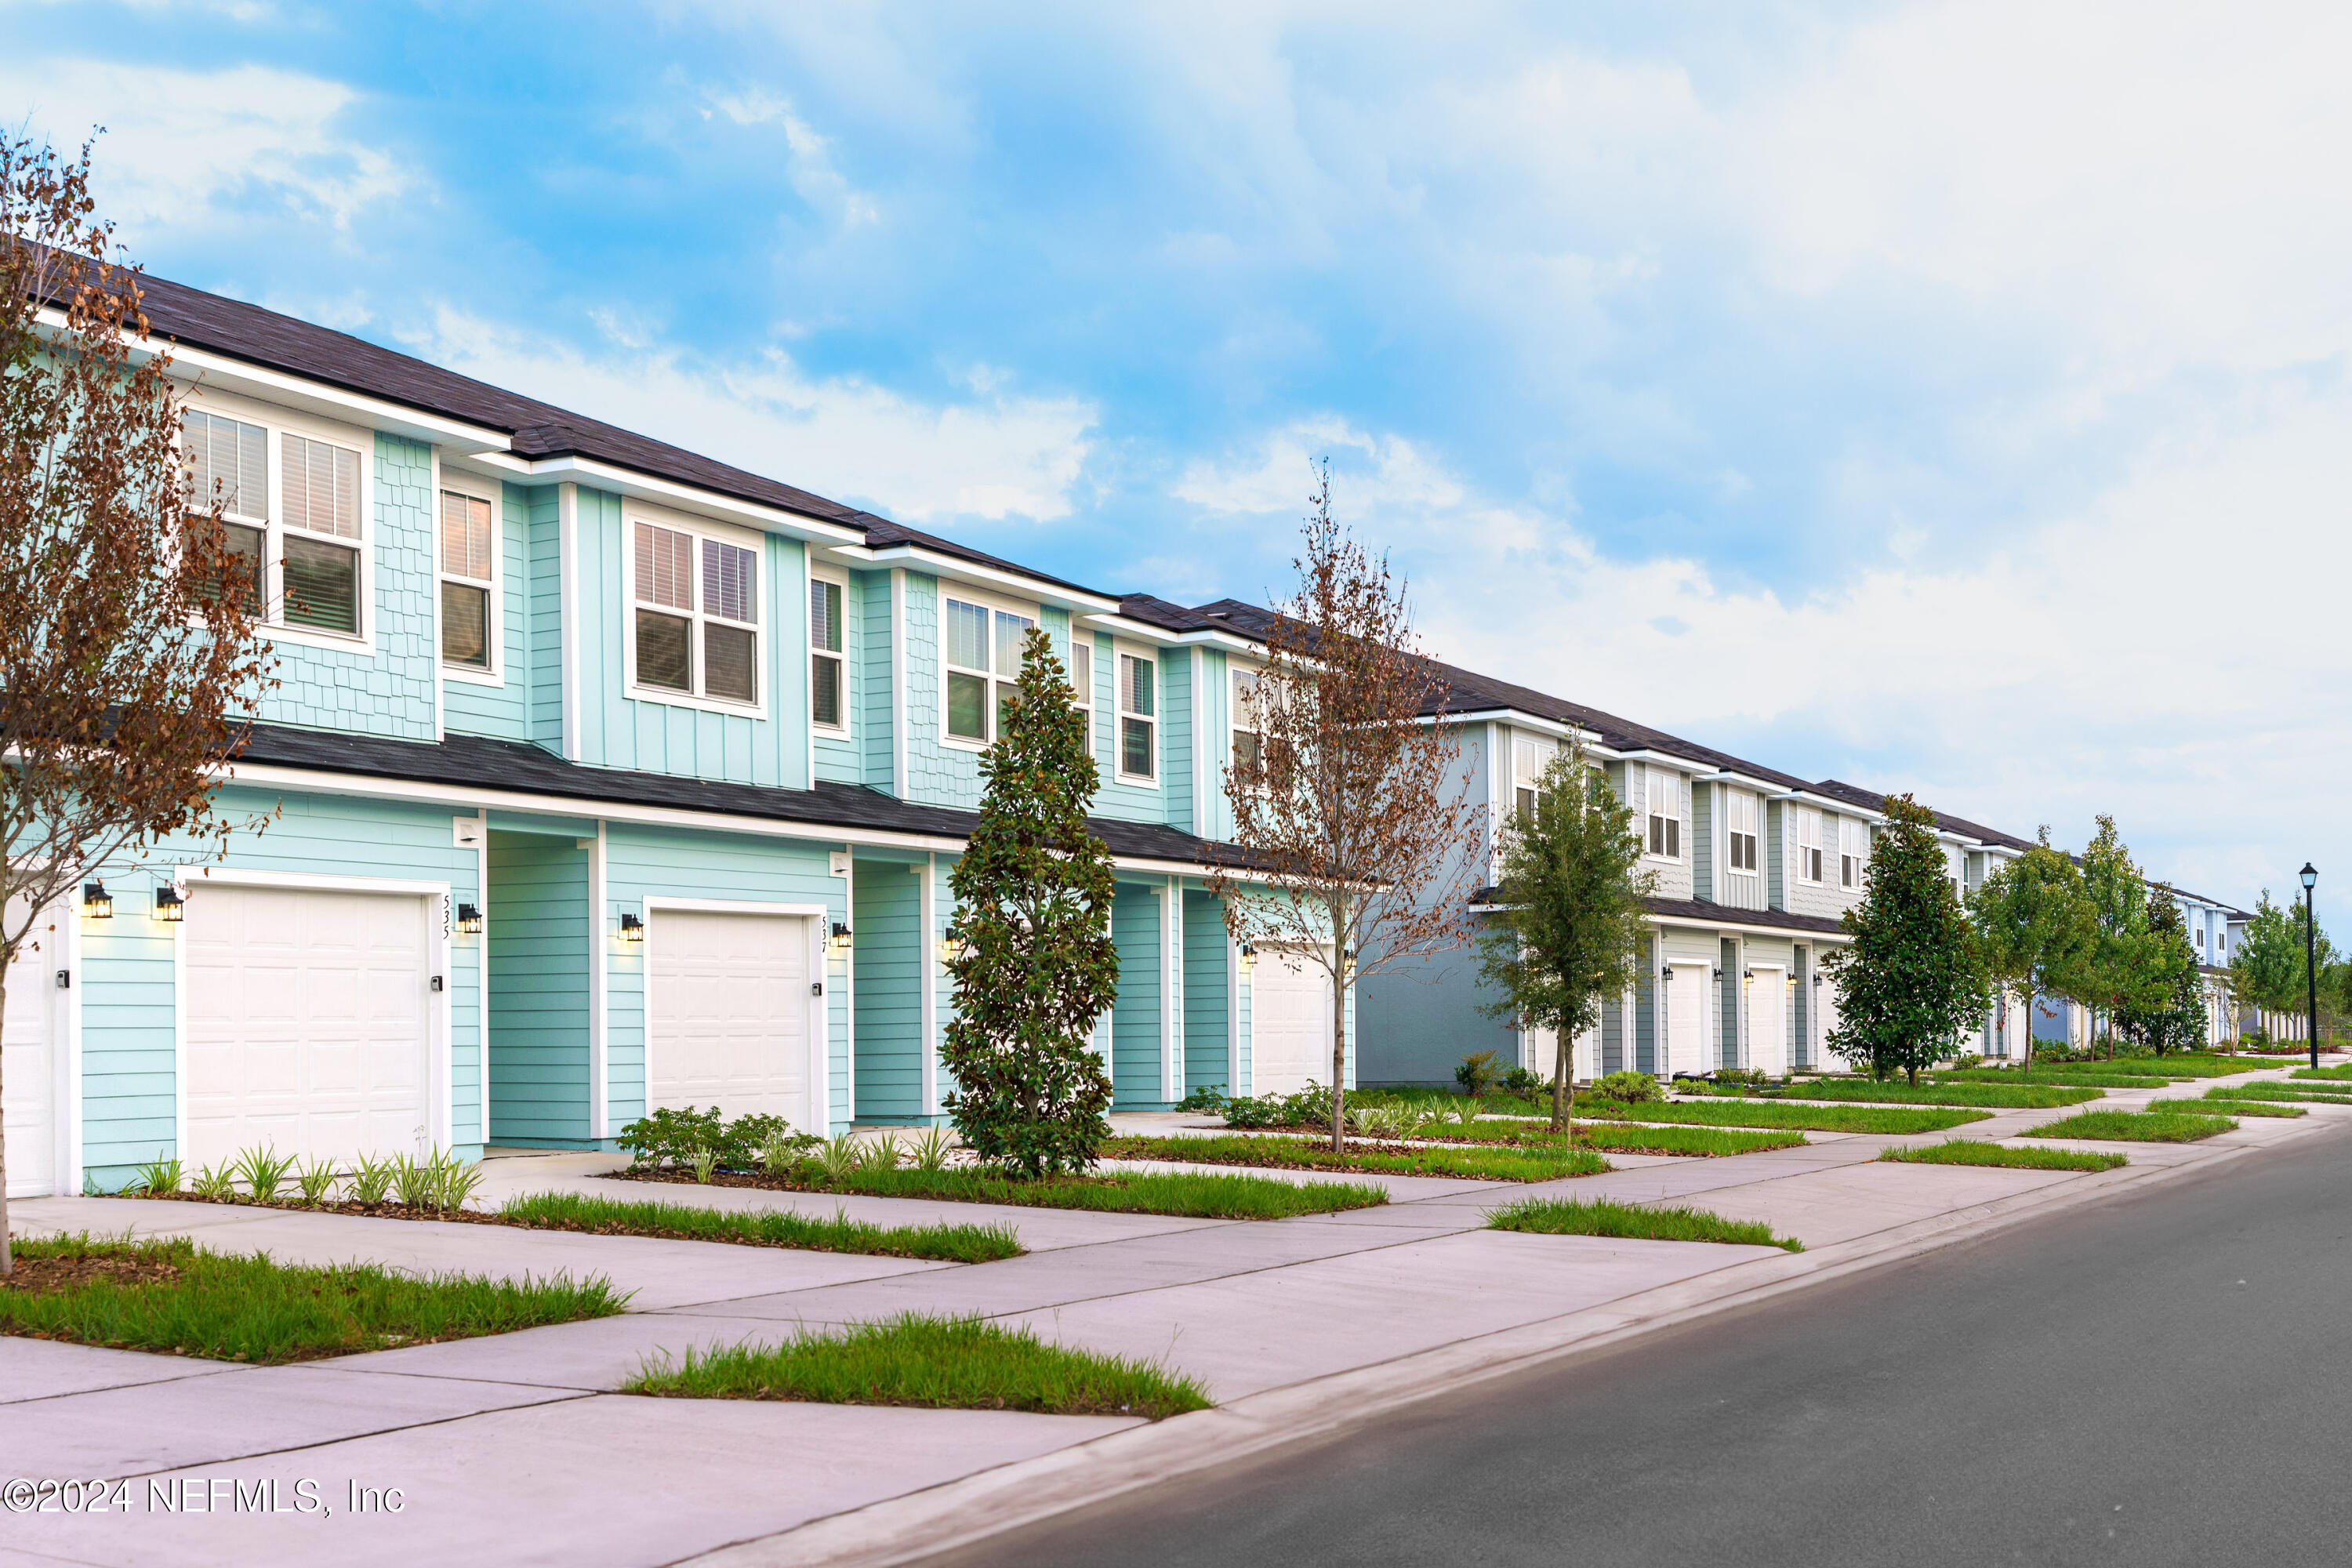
1731	832
843	730
488	490
1234	671
1674	782
763	596
1157	718
1543	749
1807	815
965	594
279	421
1860	860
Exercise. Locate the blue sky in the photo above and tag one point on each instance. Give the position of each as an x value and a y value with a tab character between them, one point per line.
1938	396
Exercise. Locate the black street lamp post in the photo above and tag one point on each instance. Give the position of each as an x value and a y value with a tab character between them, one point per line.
2311	958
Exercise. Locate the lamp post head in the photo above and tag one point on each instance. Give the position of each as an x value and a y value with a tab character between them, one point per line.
2310	877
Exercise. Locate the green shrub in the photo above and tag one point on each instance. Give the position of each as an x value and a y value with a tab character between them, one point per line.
1525	1084
1628	1088
672	1136
1209	1098
1477	1074
1309	1106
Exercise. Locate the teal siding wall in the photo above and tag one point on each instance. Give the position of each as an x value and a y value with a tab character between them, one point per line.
1176	677
1212	737
889	954
1135	1017
538	934
937	773
1209	1056
390	691
545	619
503	711
877	723
842	757
679	863
1135	802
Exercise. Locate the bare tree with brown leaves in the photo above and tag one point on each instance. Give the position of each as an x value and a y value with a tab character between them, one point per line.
127	636
1359	846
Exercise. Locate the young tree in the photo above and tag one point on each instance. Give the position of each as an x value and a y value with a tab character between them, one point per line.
123	659
2126	970
1036	966
2266	971
1909	983
2034	926
2177	1021
1568	933
1357	842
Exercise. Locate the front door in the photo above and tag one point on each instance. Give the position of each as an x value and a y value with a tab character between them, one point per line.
29	1070
1687	1019
1768	1020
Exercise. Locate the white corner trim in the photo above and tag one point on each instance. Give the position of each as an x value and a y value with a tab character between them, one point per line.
567	612
600	1111
898	681
1171	980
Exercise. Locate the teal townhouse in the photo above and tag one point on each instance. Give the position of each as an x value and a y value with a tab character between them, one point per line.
601	777
2214	929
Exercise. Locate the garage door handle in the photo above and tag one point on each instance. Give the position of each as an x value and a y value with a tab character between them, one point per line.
816	987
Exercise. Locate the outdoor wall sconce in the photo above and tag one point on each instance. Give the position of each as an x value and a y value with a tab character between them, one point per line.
469	920
1747	974
951	950
171	904
96	902
839	939
1719	977
632	927
1817	982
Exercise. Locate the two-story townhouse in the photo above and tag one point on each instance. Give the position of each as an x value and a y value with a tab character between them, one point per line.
2212	928
602	777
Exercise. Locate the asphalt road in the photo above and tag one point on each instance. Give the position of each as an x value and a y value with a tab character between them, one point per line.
2163	1378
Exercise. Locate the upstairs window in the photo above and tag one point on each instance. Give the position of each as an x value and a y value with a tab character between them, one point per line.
1082	681
983	661
1739	831
1530	757
1809	843
826	686
228	461
694	638
468	567
295	546
1853	849
321	483
1665	796
1248	726
1139	728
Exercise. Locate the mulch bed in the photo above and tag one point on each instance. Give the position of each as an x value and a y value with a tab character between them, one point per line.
39	1276
296	1206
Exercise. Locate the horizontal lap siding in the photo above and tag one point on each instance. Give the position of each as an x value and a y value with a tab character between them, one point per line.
888	953
1135	1016
539	994
1208	1055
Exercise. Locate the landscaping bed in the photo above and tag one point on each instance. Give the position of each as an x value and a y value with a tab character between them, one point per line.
1977	1152
1181	1193
1995	1096
945	1363
1600	1216
1698	1140
2116	1080
1505	1162
1769	1113
175	1298
2133	1127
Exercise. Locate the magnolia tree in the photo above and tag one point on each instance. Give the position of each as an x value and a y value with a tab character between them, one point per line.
125	650
1909	983
1034	966
1566	934
2170	1012
2034	928
1357	842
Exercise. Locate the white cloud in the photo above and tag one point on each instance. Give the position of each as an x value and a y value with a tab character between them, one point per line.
181	147
995	456
809	158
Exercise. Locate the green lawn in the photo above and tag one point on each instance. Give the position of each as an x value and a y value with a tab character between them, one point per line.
1771	1113
2132	1127
2195	1064
2212	1104
1506	1162
1180	1192
1999	1096
1600	1216
1637	1139
614	1216
1977	1152
947	1363
2268	1089
2116	1080
2343	1072
177	1298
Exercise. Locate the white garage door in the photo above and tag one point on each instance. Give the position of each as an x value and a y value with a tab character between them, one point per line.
1686	1018
1768	1020
729	1015
307	1023
1290	1022
28	1064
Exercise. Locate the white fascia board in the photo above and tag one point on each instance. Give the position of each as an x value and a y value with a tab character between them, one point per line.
1698	770
327	402
269	777
685	498
1119	625
1749	928
1744	780
950	568
1519	719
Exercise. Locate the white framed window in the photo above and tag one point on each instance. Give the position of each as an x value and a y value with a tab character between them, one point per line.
1853	849
1530	754
694	616
981	648
1138	718
295	496
468	552
1739	830
828	672
1664	796
1809	843
1082	681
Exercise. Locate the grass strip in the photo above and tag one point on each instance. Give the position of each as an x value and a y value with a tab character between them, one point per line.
2314	1094
1999	1096
1178	1193
2213	1105
2068	1080
1703	1141
1600	1216
2343	1072
2132	1127
176	1298
938	1363
2193	1065
682	1222
1510	1163
1771	1113
1977	1152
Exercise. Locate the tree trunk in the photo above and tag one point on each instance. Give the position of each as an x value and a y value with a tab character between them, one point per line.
1338	1030
1559	1091
8	1254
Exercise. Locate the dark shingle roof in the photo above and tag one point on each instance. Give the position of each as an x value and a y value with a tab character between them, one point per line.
1873	800
1718	914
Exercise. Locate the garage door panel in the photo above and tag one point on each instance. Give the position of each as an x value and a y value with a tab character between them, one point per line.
1290	1022
729	1014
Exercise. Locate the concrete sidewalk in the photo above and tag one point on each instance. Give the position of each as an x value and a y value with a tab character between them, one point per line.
513	1449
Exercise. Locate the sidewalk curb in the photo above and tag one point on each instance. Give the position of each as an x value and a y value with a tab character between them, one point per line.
973	1508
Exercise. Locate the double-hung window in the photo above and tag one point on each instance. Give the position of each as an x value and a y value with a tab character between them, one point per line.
308	526
984	662
1666	803
228	461
828	689
1082	681
1854	848
1139	727
1530	757
695	625
1739	830
1809	843
468	574
322	486
1249	732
